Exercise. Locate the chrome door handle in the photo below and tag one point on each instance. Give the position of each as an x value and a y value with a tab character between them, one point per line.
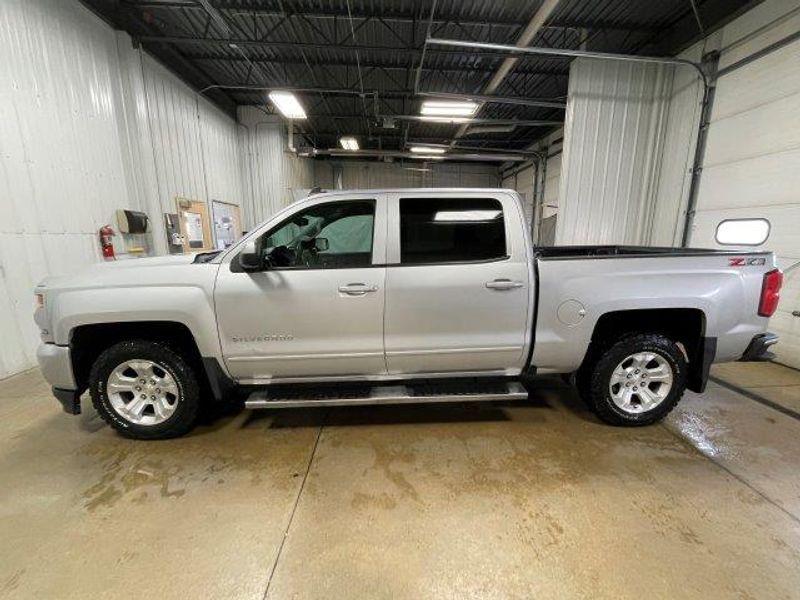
503	284
357	289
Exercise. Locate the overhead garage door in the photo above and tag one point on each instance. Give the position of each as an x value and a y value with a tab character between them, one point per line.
752	169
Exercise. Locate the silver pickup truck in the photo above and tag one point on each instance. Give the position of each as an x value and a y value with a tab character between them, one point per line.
396	296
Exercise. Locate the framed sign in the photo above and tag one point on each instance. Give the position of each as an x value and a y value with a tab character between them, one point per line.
194	225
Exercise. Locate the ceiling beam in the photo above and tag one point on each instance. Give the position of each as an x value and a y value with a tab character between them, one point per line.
293	62
395	17
182	40
533	27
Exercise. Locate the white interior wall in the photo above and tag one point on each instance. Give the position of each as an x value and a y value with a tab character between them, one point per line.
520	177
552	183
89	125
271	176
676	159
613	138
750	165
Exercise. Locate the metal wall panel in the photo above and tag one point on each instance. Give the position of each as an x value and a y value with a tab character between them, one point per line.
525	189
763	25
750	163
88	125
405	174
616	114
552	186
677	154
521	180
270	174
61	169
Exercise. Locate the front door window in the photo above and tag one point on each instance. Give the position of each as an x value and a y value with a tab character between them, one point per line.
334	235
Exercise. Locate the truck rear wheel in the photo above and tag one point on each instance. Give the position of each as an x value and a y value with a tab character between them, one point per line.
637	381
144	390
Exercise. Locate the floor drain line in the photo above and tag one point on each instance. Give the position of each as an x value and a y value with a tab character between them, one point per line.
294	507
756	398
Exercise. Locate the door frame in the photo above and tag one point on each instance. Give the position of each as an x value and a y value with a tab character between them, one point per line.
378	259
518	250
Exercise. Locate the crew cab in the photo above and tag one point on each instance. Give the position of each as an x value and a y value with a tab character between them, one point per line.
393	296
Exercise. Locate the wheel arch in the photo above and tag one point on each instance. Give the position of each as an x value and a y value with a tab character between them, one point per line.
88	341
687	326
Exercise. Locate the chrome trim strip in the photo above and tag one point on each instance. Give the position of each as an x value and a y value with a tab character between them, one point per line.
393	394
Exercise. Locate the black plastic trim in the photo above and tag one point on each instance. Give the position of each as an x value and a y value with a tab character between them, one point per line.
758	348
70	400
222	386
529	368
610	252
698	375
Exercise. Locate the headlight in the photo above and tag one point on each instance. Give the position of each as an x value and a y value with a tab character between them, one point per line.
38	300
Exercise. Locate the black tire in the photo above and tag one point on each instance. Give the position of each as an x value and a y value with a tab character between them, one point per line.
597	379
188	399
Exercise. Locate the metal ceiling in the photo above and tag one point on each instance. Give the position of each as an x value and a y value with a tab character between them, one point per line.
356	60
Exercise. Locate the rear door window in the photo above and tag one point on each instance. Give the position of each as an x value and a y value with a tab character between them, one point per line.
451	230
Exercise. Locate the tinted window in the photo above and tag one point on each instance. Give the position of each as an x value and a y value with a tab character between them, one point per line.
334	235
442	230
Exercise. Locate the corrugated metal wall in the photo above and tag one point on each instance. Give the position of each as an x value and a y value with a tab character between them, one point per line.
613	137
87	126
677	155
363	174
752	159
521	178
271	176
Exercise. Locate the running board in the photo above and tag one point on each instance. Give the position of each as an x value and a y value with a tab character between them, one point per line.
389	394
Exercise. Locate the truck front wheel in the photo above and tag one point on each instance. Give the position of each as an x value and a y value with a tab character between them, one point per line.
144	390
638	380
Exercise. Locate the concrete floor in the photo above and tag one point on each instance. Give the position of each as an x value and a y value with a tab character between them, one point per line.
529	500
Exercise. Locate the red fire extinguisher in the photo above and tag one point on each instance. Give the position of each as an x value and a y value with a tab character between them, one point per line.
105	242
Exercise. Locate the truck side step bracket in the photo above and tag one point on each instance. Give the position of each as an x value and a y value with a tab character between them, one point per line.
390	394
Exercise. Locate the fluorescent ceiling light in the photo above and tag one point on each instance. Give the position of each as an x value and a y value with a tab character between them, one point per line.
288	104
426	150
448	108
429	157
445	119
349	143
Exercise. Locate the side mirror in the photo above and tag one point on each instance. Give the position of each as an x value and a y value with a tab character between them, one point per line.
249	258
321	244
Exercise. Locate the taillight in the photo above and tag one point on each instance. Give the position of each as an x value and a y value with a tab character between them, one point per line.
770	293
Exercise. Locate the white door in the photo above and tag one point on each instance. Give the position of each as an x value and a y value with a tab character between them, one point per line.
317	307
750	168
457	284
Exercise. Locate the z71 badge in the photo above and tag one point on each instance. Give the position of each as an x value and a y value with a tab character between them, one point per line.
743	261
